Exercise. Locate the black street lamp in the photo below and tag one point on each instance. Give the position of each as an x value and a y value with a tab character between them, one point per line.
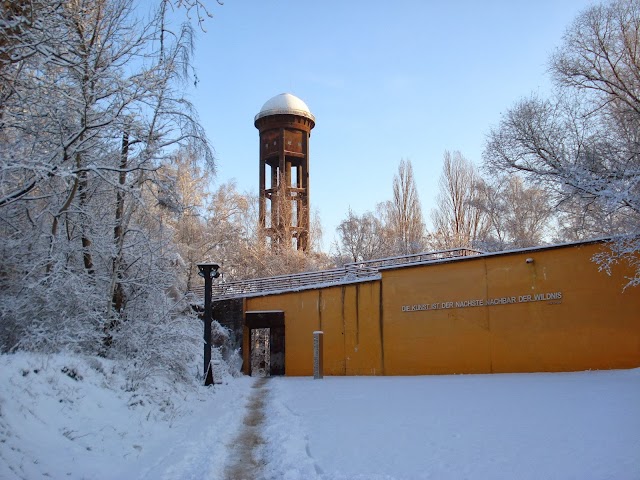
209	271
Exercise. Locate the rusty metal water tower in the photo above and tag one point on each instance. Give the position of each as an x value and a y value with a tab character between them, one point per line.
285	124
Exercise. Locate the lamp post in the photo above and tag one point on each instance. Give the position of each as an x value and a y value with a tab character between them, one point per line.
209	271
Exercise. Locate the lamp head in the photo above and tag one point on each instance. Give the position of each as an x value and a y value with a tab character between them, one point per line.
212	269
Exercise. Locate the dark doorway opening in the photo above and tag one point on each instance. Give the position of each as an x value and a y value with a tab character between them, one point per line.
260	352
266	342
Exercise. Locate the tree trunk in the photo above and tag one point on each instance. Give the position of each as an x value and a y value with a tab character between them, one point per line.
118	297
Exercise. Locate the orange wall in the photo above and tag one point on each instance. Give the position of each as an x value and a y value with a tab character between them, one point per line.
593	326
367	330
349	317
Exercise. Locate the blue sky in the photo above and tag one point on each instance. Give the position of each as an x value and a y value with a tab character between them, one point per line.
385	80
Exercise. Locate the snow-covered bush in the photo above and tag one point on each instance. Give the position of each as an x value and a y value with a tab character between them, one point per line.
51	316
159	345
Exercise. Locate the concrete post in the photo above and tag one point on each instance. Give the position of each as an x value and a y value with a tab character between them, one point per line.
318	369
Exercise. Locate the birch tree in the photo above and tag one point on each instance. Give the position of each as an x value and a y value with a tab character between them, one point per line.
93	111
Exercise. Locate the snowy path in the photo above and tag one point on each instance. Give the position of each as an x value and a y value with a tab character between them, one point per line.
207	447
245	457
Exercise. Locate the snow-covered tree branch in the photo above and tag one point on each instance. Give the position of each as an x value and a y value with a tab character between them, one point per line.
583	144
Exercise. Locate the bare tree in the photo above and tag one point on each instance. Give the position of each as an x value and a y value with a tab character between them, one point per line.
404	213
518	215
226	230
599	55
361	237
583	145
581	220
396	228
183	200
458	221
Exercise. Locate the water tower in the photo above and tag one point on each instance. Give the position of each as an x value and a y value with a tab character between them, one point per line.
285	124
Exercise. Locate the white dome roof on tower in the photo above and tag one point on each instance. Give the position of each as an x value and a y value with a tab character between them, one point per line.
285	104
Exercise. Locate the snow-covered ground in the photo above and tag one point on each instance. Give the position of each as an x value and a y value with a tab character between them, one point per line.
66	417
71	417
530	426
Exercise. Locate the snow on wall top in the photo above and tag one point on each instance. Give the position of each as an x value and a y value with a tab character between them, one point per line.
285	103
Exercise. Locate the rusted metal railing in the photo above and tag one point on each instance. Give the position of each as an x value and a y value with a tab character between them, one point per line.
297	281
351	273
416	258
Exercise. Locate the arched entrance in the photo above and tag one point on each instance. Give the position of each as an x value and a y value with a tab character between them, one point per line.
264	342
